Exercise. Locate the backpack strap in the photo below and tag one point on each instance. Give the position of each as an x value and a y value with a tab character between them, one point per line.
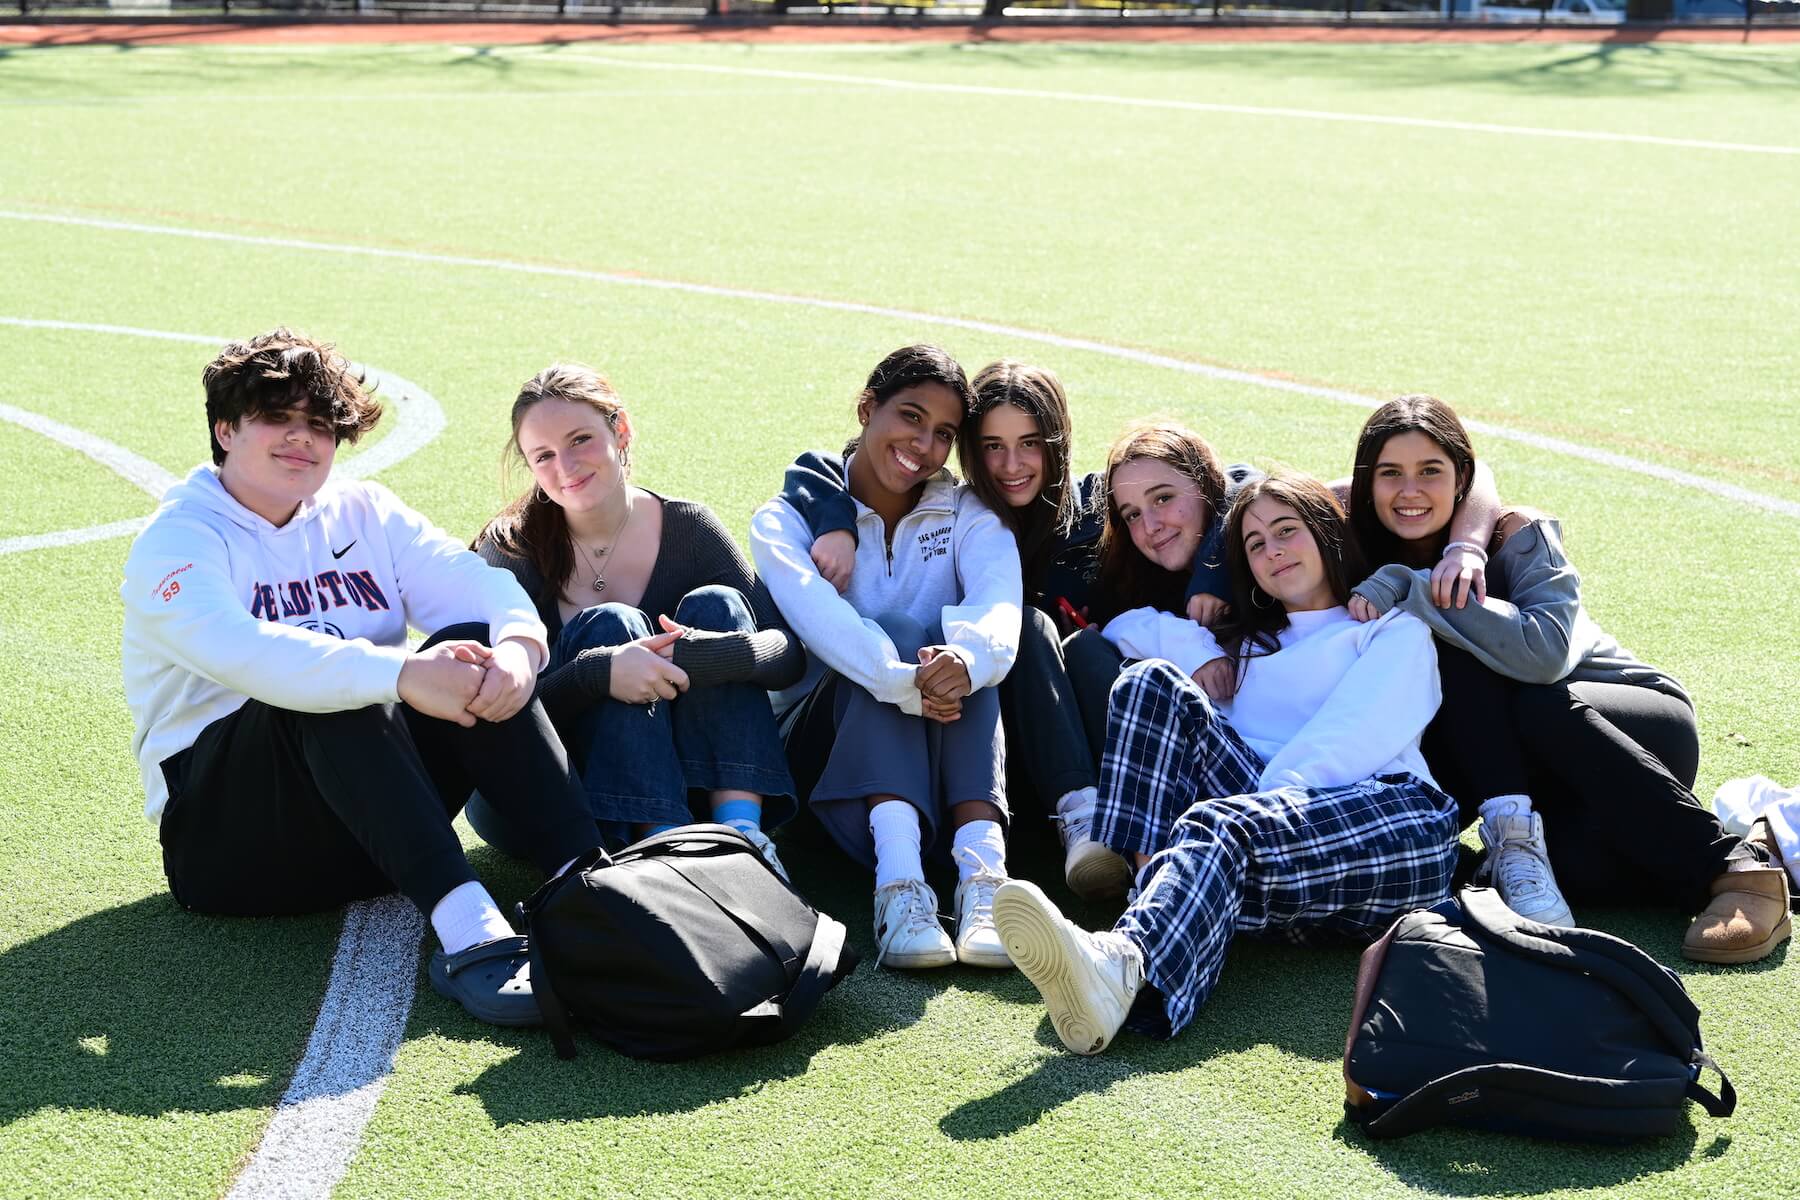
726	899
550	1005
1661	997
816	977
1721	1105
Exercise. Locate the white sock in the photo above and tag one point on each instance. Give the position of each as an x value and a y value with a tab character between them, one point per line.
1077	802
986	846
1513	805
467	916
896	829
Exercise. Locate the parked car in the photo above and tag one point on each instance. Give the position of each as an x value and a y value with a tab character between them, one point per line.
1565	12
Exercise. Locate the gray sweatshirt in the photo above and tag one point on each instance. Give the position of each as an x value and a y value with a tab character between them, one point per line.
1533	627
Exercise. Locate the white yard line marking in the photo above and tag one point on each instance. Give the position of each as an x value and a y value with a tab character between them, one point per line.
1607	458
319	1123
418	419
1200	106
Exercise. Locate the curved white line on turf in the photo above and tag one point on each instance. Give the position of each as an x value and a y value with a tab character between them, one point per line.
418	419
1240	110
1608	458
319	1123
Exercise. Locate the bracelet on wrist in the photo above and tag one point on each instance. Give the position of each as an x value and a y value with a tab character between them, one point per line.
1471	547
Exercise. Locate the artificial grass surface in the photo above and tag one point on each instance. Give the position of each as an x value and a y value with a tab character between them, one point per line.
1630	297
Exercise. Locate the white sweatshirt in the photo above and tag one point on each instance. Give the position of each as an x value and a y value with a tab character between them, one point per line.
953	565
1340	702
222	607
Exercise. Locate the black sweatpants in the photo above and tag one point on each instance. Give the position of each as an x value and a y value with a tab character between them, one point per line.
1610	766
272	811
1045	737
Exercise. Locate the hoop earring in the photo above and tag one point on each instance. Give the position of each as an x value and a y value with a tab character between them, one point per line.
625	458
1254	593
539	495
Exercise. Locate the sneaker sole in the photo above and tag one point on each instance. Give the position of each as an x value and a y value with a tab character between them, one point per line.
919	962
1744	954
995	959
1098	873
1563	919
1038	941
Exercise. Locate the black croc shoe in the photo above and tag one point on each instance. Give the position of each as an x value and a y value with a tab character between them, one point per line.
492	981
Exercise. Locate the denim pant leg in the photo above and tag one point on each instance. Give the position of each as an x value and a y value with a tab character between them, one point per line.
725	735
1166	748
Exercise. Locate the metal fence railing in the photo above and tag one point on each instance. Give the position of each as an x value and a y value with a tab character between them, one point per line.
1584	12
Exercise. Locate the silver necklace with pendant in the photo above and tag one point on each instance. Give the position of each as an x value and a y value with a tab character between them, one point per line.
599	569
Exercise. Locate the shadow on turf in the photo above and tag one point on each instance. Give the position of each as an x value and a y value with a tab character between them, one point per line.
145	1009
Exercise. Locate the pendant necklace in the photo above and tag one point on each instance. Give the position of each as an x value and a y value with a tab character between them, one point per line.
599	569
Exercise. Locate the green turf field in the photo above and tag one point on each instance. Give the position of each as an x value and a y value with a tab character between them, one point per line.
1630	296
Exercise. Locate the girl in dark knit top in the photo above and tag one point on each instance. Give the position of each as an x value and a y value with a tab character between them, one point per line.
1579	755
657	711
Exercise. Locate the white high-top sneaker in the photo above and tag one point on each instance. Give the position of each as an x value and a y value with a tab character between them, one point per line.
1518	866
1088	980
978	943
1093	871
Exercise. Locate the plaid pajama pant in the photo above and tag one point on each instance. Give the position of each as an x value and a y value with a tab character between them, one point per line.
1178	783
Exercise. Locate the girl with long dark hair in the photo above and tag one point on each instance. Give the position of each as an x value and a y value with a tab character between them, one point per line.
1584	756
894	733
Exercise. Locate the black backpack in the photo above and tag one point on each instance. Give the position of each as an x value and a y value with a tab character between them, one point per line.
1468	1014
682	944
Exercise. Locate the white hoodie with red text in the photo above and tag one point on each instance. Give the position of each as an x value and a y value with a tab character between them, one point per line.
221	606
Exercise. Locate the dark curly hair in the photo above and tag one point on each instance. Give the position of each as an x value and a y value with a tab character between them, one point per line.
282	370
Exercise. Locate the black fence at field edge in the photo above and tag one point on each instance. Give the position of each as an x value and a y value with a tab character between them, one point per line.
1591	13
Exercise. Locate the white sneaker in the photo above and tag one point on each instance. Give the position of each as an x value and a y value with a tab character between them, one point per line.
766	848
1088	980
1518	866
908	934
1093	871
978	943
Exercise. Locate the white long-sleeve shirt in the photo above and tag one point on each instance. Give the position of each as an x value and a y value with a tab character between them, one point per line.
221	606
1340	702
953	565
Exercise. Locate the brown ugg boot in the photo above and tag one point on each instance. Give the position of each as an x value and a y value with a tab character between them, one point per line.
1748	918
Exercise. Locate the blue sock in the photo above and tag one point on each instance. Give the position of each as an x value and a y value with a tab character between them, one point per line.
656	829
739	814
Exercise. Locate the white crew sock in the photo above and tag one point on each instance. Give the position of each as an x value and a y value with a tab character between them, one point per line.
467	916
986	846
896	829
1513	805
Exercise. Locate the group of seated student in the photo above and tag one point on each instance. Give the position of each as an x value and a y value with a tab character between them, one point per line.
1248	709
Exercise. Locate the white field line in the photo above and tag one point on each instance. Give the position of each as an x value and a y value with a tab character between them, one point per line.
417	414
1200	106
1607	458
124	99
319	1123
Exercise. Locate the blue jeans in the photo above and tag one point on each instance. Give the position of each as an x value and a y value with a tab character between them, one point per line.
640	763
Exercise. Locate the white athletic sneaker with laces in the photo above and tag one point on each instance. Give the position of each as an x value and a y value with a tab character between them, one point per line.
908	934
1093	871
766	848
978	943
1088	980
1518	867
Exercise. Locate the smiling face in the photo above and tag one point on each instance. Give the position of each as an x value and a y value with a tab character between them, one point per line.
573	452
1163	509
275	460
906	439
1012	454
1414	487
1284	556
